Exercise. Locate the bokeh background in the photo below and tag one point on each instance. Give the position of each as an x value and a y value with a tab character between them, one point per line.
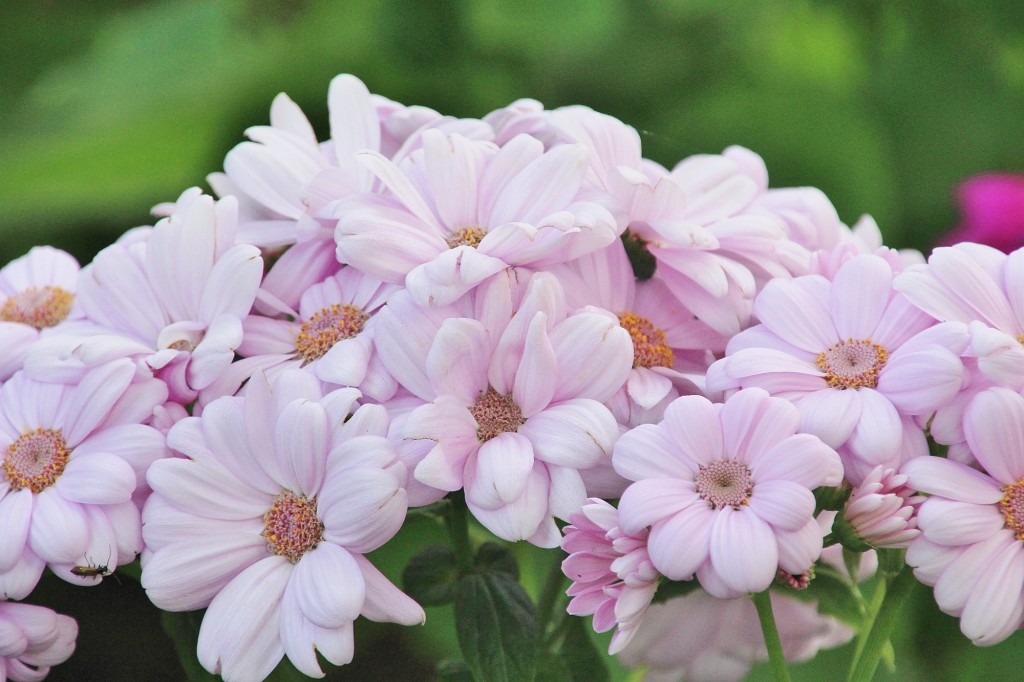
108	107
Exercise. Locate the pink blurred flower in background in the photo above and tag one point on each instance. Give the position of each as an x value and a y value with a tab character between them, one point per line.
33	638
992	212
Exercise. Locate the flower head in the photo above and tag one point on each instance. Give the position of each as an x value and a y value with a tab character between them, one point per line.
726	490
280	488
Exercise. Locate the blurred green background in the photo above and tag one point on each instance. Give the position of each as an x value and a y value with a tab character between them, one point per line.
108	107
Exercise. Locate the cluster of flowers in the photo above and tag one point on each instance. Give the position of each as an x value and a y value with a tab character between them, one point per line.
251	393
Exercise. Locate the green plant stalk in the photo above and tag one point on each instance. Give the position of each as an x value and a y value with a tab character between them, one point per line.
763	603
458	529
895	592
550	594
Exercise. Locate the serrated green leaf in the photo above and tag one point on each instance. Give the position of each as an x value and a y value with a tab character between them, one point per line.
497	628
431	576
495	558
583	660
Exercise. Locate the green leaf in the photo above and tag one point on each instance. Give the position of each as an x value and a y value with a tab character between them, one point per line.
495	558
667	589
452	670
582	658
834	594
497	628
554	668
431	576
183	629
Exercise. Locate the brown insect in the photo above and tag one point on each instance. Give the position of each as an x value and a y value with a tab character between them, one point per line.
93	571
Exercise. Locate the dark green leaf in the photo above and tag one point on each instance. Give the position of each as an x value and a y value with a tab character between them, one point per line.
667	589
495	558
497	628
639	257
554	668
833	593
583	660
183	629
452	670
431	576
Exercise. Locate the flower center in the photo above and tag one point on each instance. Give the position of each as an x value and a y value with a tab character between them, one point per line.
326	327
852	364
649	346
36	460
291	526
495	413
724	484
467	236
38	306
1012	506
1020	339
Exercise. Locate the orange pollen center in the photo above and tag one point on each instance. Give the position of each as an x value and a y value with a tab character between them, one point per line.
649	346
1012	506
724	484
1020	339
467	236
495	413
36	460
326	327
291	526
39	307
852	364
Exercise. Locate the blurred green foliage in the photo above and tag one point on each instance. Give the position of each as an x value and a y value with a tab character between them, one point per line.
108	107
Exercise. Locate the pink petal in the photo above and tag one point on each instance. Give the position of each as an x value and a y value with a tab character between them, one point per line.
502	467
93	399
753	422
647	502
595	356
362	508
59	532
962	576
450	274
830	414
328	586
384	602
575	433
799	549
523	518
546	184
648	451
694	427
533	388
458	357
354	123
743	550
679	544
207	491
567	493
302	441
794	314
993	612
994	427
801	458
918	383
879	433
15	516
949	522
239	637
647	388
860	291
98	478
953	480
782	504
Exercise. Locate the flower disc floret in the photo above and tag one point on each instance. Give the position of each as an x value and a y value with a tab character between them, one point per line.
39	307
471	235
650	349
852	363
291	526
495	414
1012	507
724	484
326	327
36	460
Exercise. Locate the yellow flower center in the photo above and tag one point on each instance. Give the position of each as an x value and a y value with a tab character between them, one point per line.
36	460
467	236
1012	506
649	346
39	307
852	364
291	526
495	413
326	327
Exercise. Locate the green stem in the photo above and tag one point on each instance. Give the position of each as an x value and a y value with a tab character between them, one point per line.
554	586
762	600
894	591
458	529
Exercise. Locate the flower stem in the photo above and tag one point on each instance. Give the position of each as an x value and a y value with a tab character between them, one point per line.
762	600
884	612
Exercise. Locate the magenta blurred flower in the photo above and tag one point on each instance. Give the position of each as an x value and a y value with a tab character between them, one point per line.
32	639
992	212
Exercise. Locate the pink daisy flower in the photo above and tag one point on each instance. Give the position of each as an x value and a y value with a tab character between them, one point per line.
613	578
278	490
330	335
854	356
72	458
513	399
32	640
458	211
699	638
173	296
972	524
726	491
37	292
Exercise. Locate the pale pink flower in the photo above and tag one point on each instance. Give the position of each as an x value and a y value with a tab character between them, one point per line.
670	352
266	521
699	638
613	578
172	296
330	335
73	456
726	489
854	356
283	177
881	509
37	292
512	399
32	640
864	238
972	523
459	210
